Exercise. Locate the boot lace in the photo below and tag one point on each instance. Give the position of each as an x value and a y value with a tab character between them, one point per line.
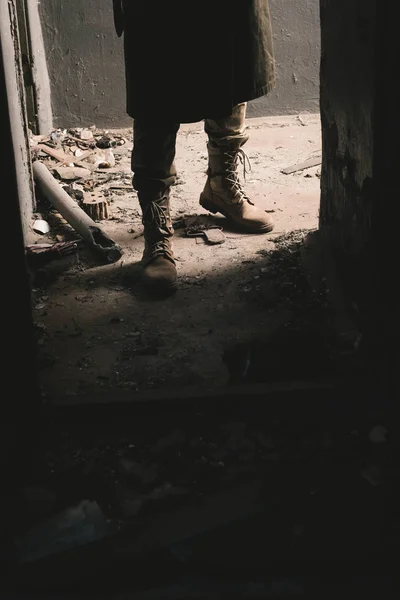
232	178
155	221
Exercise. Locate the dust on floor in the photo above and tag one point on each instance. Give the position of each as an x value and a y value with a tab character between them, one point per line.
99	332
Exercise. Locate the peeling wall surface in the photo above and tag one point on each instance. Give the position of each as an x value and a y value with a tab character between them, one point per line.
85	61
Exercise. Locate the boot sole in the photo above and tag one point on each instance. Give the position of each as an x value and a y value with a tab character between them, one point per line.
213	208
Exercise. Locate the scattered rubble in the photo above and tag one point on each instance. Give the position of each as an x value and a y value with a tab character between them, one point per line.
77	218
77	157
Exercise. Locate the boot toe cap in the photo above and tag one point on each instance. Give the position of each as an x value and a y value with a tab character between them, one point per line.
160	277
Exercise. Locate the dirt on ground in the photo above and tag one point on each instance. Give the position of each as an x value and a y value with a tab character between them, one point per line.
96	328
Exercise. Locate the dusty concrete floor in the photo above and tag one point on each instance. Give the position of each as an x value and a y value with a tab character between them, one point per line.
102	333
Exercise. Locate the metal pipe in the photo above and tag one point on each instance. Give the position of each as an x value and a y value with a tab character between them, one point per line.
40	73
75	216
9	41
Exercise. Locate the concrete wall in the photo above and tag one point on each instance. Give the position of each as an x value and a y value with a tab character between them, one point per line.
296	31
85	61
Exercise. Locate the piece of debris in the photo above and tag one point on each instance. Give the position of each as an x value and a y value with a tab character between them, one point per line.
310	162
34	140
86	134
120	187
38	255
75	190
96	208
105	160
58	136
378	434
41	226
105	141
71	173
59	155
77	526
64	158
204	226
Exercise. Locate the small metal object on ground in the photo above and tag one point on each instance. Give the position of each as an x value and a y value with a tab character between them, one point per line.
204	226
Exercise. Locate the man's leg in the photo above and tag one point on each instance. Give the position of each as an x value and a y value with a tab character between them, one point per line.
223	192
154	172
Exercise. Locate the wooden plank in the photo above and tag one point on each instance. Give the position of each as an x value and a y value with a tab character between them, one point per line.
62	156
310	162
57	154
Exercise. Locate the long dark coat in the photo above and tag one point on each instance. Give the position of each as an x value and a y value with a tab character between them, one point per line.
186	61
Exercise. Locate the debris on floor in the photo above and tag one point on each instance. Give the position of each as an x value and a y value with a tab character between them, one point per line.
97	209
38	255
72	173
75	190
41	226
204	226
76	217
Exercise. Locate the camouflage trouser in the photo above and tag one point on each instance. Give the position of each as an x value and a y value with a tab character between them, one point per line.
154	148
